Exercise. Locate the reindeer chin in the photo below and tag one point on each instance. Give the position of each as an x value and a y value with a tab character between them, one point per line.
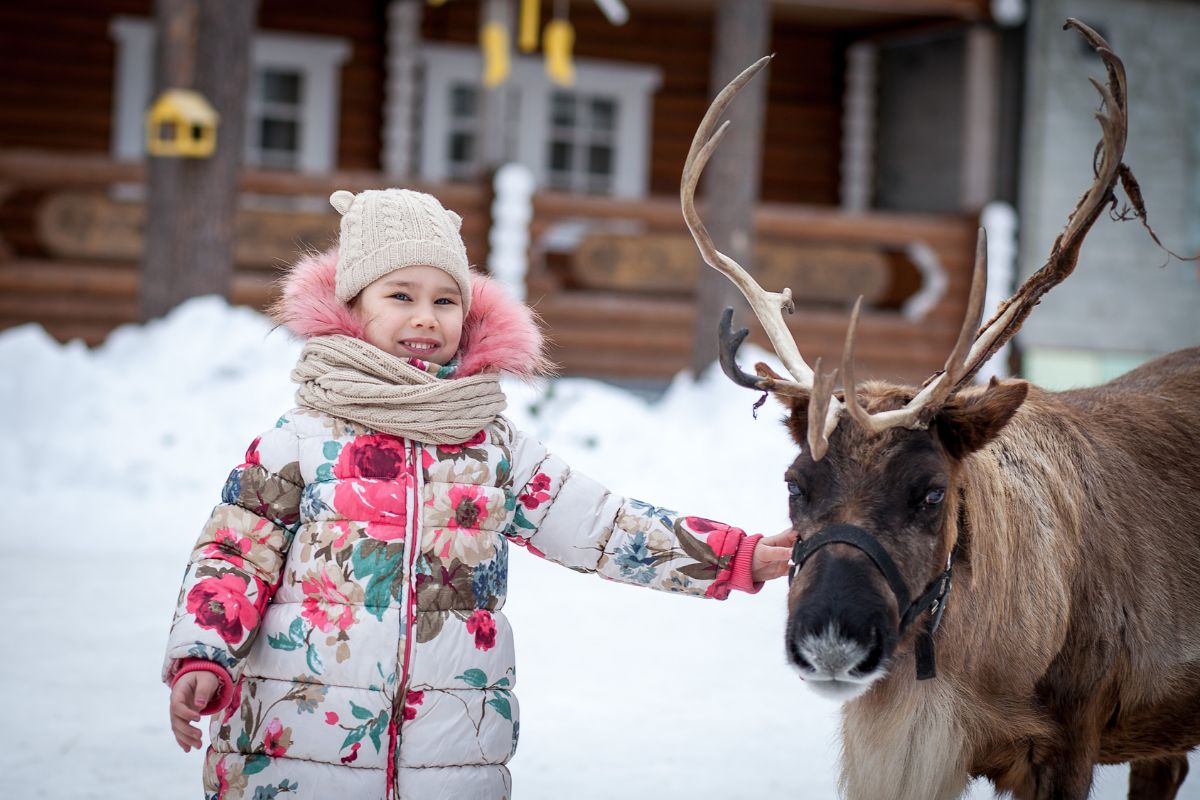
840	690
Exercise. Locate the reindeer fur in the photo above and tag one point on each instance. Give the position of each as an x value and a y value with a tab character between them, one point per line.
1072	634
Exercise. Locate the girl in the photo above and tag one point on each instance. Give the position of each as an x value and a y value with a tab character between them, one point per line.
340	614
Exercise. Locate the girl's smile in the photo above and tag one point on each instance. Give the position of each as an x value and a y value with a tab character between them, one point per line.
413	312
421	345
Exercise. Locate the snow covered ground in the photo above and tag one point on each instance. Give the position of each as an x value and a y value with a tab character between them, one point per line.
113	457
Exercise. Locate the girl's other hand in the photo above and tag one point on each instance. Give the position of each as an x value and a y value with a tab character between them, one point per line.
189	696
770	558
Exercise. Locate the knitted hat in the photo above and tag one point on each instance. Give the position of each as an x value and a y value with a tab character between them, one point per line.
383	230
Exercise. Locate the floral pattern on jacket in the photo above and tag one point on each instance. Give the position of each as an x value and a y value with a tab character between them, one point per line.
351	582
366	663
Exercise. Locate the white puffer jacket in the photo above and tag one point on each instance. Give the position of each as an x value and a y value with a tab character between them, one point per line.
348	589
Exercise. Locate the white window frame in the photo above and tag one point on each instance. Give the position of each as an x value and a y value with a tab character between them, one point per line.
631	86
317	58
580	138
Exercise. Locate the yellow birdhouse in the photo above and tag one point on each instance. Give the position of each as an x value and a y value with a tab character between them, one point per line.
181	123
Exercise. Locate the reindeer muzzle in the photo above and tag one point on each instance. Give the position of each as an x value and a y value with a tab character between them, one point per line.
933	599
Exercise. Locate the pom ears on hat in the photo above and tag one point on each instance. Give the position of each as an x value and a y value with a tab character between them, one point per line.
341	200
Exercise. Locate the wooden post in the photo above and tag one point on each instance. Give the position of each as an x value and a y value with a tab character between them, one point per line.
981	113
731	180
191	202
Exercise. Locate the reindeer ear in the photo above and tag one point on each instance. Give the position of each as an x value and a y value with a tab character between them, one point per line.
967	424
797	418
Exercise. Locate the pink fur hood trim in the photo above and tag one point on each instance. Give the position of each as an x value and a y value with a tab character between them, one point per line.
500	334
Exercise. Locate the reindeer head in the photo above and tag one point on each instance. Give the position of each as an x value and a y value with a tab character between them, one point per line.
877	518
875	498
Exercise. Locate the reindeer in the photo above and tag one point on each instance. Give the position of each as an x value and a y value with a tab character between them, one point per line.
1069	523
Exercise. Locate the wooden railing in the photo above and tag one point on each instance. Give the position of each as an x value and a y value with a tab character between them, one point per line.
630	333
595	273
70	246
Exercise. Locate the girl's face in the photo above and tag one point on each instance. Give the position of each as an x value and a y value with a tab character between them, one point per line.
413	312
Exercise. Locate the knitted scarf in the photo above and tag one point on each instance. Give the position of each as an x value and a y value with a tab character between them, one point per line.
350	379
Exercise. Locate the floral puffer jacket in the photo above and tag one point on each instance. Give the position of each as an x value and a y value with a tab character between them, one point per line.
348	589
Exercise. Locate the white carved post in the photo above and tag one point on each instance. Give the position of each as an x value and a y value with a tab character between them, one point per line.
399	109
999	220
508	240
858	126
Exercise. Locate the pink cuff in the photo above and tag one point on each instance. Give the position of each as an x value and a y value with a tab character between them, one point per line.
743	561
223	697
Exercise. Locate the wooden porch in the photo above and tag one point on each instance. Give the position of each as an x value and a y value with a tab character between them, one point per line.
612	280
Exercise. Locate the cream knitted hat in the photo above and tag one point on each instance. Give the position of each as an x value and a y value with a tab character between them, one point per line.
383	230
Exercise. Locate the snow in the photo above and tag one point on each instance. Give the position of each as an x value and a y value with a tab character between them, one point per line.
113	458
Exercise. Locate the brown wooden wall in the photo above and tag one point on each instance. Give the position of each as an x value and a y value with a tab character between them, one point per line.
802	146
56	73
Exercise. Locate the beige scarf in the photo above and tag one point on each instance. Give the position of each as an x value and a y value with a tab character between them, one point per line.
350	379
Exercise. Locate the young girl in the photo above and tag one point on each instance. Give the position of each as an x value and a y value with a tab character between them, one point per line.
340	614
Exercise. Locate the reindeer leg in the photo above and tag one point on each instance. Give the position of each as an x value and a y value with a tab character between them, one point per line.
1063	779
1061	769
1157	778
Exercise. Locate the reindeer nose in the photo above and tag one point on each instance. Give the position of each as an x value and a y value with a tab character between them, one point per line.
824	644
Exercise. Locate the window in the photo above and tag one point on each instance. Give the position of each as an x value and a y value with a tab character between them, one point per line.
580	156
461	132
292	104
273	119
591	138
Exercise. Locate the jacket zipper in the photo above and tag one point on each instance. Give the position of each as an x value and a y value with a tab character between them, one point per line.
412	552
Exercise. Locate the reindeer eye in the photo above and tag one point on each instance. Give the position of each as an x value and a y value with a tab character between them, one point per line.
794	489
935	497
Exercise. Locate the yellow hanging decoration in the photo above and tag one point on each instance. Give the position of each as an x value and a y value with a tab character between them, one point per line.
557	40
527	40
497	63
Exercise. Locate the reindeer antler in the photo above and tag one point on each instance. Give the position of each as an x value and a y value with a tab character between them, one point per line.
974	345
1064	254
767	306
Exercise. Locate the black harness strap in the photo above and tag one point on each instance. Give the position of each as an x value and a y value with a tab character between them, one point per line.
933	599
857	537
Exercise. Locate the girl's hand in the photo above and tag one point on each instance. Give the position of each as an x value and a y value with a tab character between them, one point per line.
190	694
770	558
